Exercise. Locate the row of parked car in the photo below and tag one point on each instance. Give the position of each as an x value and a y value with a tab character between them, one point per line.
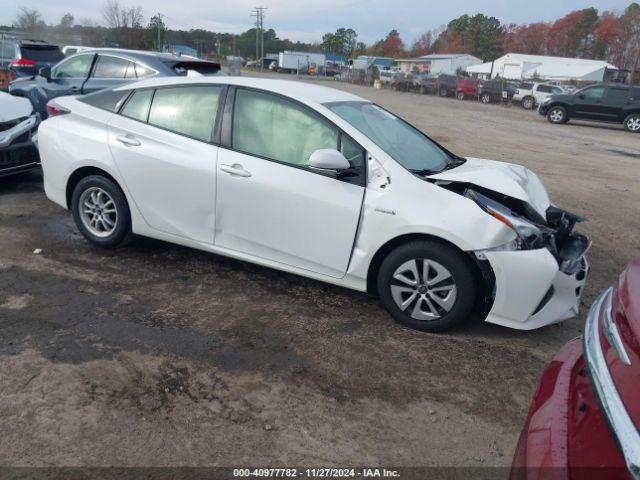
611	103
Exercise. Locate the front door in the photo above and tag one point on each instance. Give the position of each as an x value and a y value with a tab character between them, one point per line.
69	75
588	104
162	146
270	204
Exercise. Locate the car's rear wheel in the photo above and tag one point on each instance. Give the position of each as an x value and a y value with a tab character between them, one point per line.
528	103
460	96
101	212
427	286
632	123
443	92
485	98
557	115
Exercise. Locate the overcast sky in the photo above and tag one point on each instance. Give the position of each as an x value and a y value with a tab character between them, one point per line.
307	20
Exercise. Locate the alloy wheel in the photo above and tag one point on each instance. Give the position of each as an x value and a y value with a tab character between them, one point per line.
98	212
633	124
556	115
423	288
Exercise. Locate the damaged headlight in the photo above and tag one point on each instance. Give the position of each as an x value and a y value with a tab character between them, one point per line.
529	236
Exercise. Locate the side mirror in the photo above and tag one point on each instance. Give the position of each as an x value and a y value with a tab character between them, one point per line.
329	161
45	72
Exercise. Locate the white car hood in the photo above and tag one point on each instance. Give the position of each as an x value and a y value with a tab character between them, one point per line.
507	178
12	108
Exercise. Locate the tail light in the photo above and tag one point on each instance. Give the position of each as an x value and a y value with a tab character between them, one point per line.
23	63
53	109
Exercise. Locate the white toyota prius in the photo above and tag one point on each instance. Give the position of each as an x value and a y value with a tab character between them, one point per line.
318	182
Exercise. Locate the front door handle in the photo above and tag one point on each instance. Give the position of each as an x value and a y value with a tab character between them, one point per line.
235	169
128	141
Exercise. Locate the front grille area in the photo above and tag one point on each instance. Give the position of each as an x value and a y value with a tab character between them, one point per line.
4	126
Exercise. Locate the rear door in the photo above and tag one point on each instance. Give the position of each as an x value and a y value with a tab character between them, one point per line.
617	100
164	146
270	203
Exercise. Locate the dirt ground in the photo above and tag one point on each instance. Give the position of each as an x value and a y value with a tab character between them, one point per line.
158	355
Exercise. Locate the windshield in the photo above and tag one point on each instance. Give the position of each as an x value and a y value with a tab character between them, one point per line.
405	144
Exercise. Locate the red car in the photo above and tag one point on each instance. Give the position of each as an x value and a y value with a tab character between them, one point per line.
467	88
585	417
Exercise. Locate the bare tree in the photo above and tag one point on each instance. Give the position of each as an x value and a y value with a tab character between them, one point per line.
28	19
111	13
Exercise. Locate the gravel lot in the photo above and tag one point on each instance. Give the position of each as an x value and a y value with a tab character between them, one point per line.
157	355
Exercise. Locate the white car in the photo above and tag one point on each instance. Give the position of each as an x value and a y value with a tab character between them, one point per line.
318	182
531	94
18	135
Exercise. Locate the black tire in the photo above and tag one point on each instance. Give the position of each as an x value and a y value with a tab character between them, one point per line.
438	255
528	103
557	115
443	92
485	98
632	123
121	232
460	96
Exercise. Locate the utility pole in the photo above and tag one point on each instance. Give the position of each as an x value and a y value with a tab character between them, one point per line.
159	25
258	12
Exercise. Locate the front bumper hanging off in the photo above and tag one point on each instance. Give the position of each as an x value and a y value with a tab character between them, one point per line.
531	289
18	147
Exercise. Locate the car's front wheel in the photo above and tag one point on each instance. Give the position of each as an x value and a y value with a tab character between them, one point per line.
632	123
557	115
101	212
460	95
485	98
427	286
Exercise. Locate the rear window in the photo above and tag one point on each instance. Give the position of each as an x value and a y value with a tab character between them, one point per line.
47	53
110	100
7	50
203	68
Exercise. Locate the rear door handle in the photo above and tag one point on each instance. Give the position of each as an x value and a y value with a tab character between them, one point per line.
128	141
235	169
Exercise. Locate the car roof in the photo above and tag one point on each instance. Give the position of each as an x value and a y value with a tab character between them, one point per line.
145	55
304	92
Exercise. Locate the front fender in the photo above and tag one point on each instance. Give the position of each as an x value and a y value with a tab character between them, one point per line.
35	93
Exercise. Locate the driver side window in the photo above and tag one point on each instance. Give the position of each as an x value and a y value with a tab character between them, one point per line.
75	67
594	93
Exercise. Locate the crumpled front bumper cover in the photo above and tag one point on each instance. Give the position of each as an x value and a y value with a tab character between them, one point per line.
7	137
531	290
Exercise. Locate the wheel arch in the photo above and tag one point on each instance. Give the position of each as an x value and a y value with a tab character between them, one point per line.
386	248
84	172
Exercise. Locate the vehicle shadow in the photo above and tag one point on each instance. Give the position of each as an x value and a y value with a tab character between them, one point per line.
25	182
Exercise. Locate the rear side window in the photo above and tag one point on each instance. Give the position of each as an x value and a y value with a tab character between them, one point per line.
273	127
190	111
110	67
142	72
41	54
107	99
618	94
137	107
202	68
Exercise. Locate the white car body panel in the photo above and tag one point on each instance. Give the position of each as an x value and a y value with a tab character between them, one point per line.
298	221
13	107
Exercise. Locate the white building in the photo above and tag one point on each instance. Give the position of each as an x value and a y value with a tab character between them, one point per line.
438	63
521	66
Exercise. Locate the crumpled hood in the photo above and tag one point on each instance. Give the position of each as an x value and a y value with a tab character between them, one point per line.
507	178
12	108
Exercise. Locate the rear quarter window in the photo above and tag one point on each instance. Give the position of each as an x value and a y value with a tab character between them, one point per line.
110	100
203	68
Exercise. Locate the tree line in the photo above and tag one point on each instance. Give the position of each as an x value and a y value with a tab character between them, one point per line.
585	33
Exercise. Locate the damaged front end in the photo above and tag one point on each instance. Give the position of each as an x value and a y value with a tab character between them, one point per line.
540	274
18	133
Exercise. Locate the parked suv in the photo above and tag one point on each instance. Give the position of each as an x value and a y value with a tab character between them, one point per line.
94	70
467	88
424	83
531	94
23	58
447	85
613	103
